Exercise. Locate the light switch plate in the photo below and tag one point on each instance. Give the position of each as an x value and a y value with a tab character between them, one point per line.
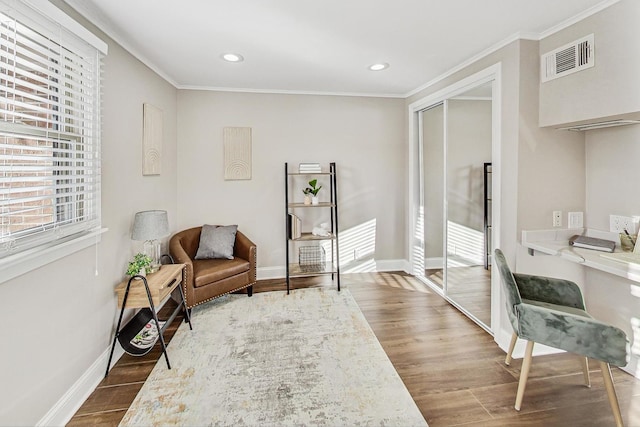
575	220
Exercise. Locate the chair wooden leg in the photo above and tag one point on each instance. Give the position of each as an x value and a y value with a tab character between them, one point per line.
512	345
524	374
585	371
611	393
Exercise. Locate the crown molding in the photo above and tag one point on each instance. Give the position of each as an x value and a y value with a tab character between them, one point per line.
290	92
577	18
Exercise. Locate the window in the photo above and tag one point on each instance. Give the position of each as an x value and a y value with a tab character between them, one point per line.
49	133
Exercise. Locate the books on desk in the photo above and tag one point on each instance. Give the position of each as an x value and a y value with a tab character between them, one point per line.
592	243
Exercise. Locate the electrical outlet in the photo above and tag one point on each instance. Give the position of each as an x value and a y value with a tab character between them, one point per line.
557	218
619	223
575	220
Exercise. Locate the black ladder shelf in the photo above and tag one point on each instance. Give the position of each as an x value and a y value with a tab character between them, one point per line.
293	184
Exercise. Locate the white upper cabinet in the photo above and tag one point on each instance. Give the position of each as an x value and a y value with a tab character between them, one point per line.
604	82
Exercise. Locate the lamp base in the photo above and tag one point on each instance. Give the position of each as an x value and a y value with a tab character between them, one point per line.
152	249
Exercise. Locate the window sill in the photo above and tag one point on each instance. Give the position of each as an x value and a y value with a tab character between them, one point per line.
24	262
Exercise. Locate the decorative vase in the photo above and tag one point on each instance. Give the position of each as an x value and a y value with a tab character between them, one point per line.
314	200
307	199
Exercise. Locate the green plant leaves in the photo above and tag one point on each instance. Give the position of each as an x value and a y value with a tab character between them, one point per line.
139	262
313	190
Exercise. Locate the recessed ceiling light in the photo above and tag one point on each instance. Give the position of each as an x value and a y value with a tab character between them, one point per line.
232	57
379	67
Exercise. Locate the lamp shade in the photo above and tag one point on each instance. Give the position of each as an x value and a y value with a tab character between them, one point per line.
150	225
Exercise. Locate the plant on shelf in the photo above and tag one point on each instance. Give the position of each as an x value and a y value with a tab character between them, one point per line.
312	191
140	265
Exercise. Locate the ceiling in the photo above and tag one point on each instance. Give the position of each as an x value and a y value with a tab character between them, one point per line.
304	46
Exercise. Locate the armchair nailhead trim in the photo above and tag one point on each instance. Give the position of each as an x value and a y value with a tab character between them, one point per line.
221	295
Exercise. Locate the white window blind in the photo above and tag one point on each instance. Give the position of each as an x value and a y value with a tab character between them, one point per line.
49	133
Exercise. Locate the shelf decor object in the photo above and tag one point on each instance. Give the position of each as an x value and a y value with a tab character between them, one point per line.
320	254
312	259
149	226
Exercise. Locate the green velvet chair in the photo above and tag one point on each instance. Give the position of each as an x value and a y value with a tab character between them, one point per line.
552	312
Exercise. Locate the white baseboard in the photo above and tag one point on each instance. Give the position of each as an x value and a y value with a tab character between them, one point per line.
359	266
72	400
393	265
433	263
264	273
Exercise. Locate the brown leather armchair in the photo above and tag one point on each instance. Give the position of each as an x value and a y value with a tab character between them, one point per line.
207	279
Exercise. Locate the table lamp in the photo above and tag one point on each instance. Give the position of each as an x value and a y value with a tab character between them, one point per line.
149	226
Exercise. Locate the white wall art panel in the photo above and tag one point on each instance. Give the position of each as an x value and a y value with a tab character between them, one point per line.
152	140
237	153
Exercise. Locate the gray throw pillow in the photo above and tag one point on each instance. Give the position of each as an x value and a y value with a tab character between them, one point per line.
216	242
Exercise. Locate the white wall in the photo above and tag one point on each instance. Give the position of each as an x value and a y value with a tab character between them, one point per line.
551	169
613	174
611	87
364	136
612	180
58	320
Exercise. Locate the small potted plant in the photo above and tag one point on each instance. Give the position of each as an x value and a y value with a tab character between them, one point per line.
311	192
140	265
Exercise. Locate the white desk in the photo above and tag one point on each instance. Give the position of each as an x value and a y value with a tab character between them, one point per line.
556	242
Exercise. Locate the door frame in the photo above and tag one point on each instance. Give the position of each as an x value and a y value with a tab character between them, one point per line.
415	243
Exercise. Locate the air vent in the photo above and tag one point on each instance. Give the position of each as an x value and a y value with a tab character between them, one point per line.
568	59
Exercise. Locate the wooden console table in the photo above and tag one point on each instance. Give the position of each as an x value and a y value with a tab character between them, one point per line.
147	293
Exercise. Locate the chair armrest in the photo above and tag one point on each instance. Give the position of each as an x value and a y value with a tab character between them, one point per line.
574	333
180	256
549	290
246	249
243	247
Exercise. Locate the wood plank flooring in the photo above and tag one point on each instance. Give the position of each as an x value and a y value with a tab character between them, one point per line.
469	287
452	368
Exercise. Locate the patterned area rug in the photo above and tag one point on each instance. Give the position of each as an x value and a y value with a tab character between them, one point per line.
308	358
